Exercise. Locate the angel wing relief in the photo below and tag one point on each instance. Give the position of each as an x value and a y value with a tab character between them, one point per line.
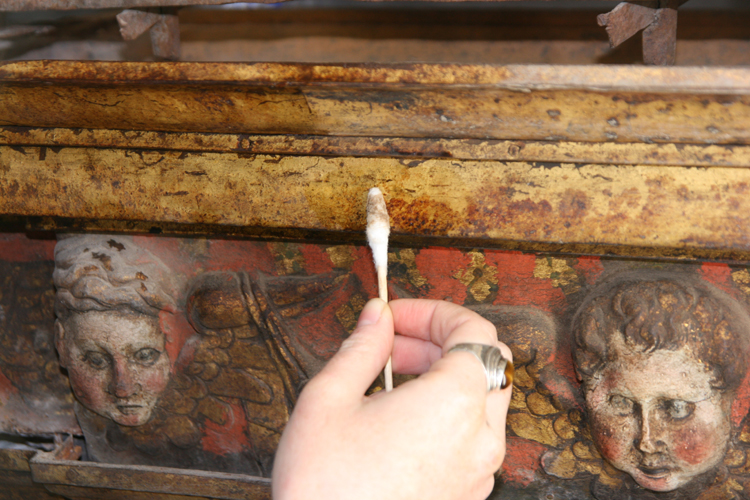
545	412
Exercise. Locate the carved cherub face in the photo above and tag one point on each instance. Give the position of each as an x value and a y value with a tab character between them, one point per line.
116	362
656	417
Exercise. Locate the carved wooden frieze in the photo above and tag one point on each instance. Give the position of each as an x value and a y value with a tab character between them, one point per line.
631	376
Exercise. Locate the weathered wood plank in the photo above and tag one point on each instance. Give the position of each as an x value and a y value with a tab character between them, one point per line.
479	201
590	104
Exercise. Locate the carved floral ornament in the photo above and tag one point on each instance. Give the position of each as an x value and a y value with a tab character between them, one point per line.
191	353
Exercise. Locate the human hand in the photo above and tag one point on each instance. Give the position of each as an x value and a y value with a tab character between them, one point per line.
440	436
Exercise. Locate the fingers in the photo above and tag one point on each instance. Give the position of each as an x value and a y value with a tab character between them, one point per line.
429	328
497	405
361	357
412	356
442	323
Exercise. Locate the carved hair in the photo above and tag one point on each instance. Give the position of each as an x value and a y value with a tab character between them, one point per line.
642	313
101	273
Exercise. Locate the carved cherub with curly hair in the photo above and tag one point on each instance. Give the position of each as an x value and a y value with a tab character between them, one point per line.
661	358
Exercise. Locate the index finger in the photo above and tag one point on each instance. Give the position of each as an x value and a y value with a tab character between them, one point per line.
443	323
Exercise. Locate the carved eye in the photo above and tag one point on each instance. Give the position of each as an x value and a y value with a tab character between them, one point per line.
96	360
147	356
621	405
677	409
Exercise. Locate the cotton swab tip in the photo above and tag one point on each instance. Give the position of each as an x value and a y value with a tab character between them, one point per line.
378	227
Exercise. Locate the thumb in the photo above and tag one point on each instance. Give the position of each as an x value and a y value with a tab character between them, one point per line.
363	355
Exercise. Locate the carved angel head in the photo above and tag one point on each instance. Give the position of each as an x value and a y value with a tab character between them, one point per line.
661	358
110	294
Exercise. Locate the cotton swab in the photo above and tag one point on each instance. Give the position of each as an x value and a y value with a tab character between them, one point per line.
378	230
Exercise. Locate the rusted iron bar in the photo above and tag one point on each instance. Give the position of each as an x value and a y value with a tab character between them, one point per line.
695	155
529	103
479	201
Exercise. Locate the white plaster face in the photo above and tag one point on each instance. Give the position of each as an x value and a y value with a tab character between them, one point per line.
116	362
657	417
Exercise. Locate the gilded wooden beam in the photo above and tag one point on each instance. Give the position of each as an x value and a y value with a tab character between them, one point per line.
533	103
21	5
476	201
697	155
79	479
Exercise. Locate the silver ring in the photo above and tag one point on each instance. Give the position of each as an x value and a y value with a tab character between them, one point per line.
499	371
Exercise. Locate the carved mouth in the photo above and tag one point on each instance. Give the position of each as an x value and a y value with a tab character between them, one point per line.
655	472
129	409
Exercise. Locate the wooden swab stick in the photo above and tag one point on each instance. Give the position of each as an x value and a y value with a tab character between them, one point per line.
378	230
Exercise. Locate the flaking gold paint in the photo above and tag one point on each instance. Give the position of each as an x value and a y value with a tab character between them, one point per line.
522	102
674	207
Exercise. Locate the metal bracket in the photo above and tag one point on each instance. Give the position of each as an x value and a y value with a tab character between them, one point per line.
657	19
164	27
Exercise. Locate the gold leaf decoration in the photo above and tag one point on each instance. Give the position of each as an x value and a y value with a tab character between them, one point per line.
480	278
585	451
341	256
348	313
407	258
564	427
288	258
574	460
534	428
563	465
734	458
539	404
745	433
558	272
521	377
609	476
517	399
742	280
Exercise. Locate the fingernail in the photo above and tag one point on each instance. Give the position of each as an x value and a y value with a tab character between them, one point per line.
371	313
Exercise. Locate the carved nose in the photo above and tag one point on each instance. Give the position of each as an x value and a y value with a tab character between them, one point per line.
648	441
124	382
